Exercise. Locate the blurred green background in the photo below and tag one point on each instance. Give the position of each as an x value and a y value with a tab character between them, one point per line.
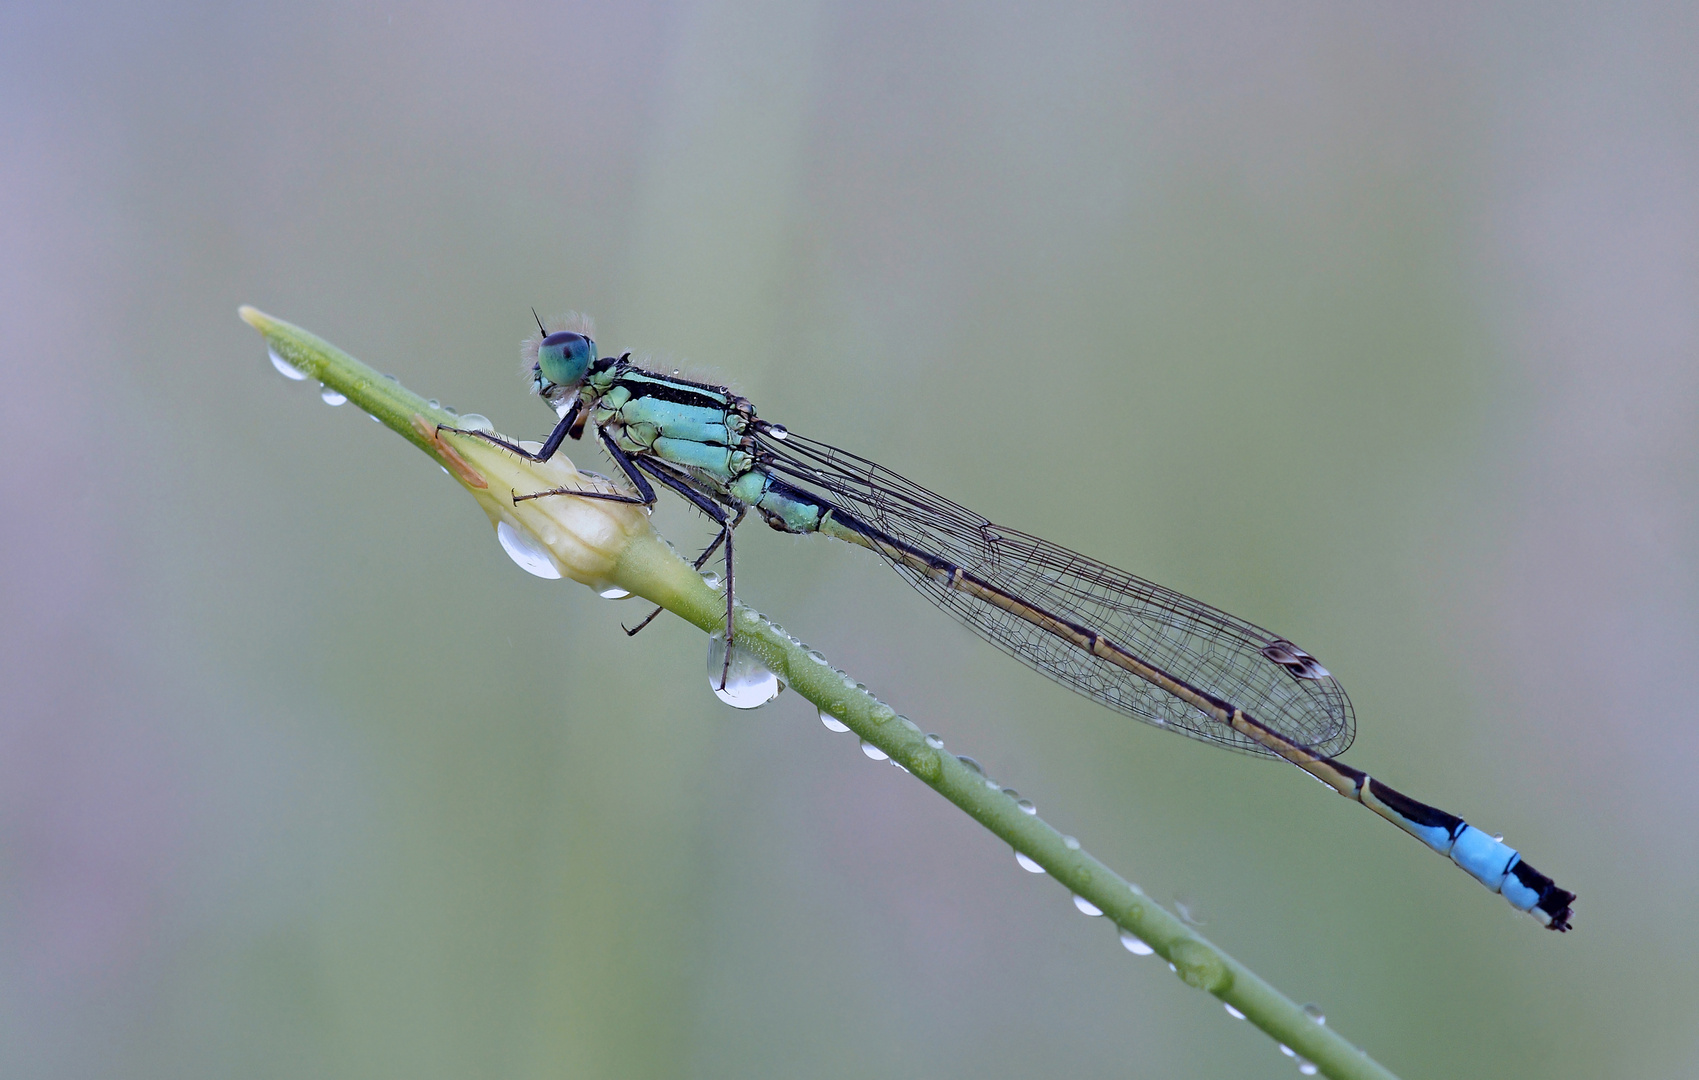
1375	324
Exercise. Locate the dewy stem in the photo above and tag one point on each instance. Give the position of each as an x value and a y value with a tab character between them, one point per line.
602	543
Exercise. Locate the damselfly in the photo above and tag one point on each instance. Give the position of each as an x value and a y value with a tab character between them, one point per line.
1127	643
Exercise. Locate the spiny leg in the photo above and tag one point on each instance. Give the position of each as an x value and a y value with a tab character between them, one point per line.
708	506
567	422
606	496
626	465
700	559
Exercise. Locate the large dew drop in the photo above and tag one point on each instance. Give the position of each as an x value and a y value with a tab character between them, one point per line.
330	396
525	550
284	367
749	684
1133	944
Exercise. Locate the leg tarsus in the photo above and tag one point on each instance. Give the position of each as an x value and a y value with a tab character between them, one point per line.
712	509
700	559
491	437
606	496
731	629
548	448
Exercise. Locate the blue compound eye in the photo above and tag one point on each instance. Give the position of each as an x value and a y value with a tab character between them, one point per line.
564	358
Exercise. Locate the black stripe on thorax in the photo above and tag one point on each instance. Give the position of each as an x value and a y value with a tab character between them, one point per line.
673	391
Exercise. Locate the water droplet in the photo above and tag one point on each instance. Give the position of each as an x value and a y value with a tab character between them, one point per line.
451	410
970	763
1231	1011
1027	864
778	432
527	551
712	580
899	766
675	373
475	422
873	751
1026	806
1499	837
832	723
1070	843
1184	910
1313	1011
749	683
1134	944
1287	1050
817	656
613	592
284	367
331	397
861	688
1087	907
376	419
934	741
1307	1068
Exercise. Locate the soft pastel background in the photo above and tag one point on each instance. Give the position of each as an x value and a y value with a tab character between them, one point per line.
1375	325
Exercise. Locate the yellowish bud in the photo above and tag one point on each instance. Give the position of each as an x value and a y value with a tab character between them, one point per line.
580	538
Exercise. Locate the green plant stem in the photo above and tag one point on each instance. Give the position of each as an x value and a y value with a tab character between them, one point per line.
653	571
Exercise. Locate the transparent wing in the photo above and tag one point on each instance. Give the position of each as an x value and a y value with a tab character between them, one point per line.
1272	680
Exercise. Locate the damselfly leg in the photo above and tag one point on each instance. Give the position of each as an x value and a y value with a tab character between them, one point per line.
710	506
707	553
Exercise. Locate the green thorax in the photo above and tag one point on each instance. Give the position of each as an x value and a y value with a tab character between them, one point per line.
704	429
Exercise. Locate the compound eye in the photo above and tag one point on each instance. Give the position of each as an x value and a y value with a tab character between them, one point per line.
563	358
